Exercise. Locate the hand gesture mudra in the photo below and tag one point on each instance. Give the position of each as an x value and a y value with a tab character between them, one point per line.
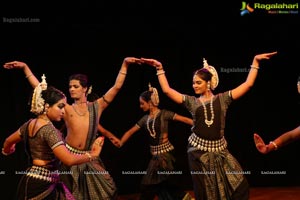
152	62
260	144
263	56
14	65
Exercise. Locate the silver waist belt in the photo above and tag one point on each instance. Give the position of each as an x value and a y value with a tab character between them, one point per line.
162	148
207	145
75	151
44	174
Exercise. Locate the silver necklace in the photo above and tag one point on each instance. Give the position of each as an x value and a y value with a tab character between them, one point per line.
79	113
211	121
153	132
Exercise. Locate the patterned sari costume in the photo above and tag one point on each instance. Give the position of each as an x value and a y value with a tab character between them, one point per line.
158	179
90	181
216	174
42	182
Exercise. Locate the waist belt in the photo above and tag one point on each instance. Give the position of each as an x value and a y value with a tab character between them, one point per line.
207	145
75	151
42	173
162	148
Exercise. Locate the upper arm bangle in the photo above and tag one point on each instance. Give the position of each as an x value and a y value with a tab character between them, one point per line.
254	67
274	144
105	100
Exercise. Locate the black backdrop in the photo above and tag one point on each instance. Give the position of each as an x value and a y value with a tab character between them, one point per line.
94	38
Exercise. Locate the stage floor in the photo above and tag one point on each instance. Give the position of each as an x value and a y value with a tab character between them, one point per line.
259	193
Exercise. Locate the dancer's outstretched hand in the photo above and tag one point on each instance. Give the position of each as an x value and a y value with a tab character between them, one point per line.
97	146
260	144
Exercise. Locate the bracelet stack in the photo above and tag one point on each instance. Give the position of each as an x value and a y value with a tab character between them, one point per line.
159	71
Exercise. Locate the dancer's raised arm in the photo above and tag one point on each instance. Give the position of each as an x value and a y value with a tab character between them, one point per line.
163	81
27	71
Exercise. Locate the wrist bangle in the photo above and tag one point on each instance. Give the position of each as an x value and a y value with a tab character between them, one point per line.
4	153
121	72
89	155
28	75
254	67
274	144
160	72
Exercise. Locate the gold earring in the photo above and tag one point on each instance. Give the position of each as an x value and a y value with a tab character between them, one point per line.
208	85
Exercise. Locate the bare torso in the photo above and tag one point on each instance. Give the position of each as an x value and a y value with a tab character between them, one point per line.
77	123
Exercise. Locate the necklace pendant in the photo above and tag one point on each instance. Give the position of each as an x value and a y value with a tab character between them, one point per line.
209	122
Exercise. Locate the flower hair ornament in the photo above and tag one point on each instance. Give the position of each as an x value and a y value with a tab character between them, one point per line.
37	102
90	90
215	78
154	95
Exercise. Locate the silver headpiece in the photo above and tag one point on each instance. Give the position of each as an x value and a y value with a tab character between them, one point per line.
154	95
37	102
215	78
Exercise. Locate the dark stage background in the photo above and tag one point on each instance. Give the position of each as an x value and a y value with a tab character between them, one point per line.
94	38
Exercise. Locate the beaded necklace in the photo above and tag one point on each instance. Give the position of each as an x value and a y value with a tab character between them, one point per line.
211	121
153	132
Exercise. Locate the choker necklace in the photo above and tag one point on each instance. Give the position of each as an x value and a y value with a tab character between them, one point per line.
79	113
153	132
211	121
